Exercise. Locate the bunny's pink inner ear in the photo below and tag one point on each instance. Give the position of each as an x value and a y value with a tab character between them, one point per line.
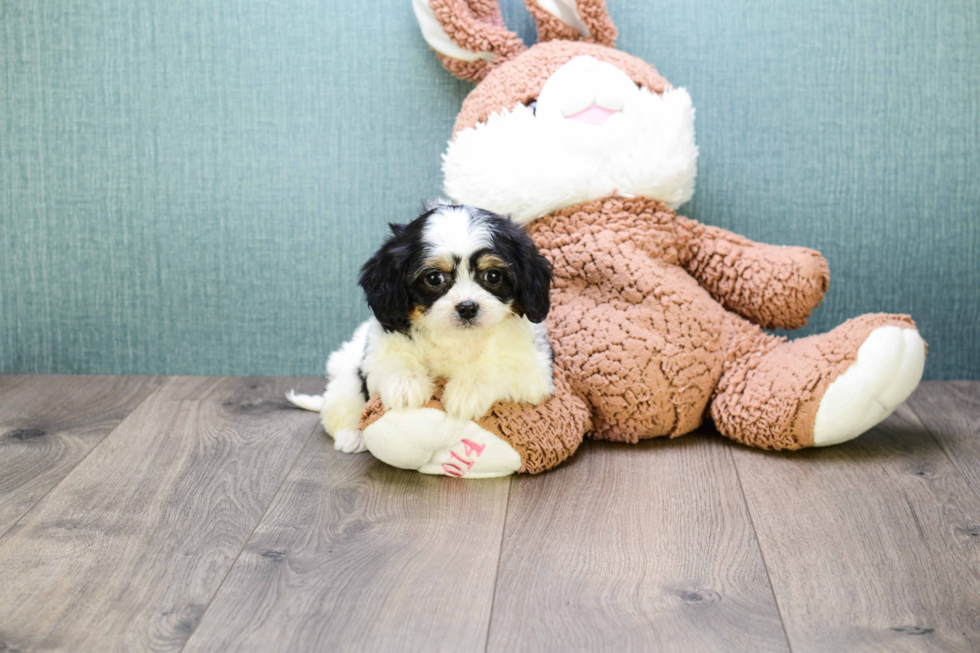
573	20
469	36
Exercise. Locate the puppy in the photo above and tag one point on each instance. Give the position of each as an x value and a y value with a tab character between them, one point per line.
460	294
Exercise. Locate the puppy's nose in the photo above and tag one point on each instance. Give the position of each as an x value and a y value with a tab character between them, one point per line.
467	310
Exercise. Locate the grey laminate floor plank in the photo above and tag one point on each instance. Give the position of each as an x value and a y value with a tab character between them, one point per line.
128	550
634	548
142	523
49	423
870	545
951	412
354	555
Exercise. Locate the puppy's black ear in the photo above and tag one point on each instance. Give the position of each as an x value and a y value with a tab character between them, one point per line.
383	279
397	229
532	271
534	286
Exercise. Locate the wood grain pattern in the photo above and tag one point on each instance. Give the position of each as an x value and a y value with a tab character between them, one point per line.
212	518
50	423
870	545
126	553
951	412
646	547
357	556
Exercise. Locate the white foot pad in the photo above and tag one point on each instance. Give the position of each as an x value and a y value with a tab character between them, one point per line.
888	368
433	442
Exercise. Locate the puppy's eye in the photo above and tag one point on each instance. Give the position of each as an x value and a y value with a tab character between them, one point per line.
435	279
492	277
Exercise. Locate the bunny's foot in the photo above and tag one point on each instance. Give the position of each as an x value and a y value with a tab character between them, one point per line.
887	369
820	390
431	441
511	437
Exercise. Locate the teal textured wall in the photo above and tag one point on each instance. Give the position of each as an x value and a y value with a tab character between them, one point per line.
190	186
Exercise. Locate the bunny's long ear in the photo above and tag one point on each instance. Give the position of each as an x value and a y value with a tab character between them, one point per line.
469	36
573	20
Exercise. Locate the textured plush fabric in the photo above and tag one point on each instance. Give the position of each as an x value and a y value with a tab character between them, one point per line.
476	27
544	437
643	349
642	341
770	390
594	15
190	186
774	287
527	74
657	320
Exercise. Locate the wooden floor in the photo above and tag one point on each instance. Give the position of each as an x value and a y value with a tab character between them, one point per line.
203	514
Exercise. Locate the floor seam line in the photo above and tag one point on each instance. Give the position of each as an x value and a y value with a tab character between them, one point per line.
500	555
939	443
83	459
250	535
758	543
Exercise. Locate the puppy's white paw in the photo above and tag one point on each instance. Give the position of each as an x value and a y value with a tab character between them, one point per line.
467	399
349	441
405	391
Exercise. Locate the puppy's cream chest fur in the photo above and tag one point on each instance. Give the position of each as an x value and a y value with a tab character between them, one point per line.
509	361
509	344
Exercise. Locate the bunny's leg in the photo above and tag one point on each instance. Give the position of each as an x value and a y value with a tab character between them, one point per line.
816	391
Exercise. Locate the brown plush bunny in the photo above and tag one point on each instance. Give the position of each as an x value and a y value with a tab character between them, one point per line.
656	320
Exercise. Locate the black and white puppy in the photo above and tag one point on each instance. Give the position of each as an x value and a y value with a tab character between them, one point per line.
458	293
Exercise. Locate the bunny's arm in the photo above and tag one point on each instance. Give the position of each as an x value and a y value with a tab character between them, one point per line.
773	286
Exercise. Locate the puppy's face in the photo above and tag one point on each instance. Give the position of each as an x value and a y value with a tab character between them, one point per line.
456	268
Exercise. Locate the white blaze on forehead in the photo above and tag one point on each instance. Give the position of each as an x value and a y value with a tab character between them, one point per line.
455	231
459	232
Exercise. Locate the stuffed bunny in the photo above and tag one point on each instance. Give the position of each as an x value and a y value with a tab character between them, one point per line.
657	321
